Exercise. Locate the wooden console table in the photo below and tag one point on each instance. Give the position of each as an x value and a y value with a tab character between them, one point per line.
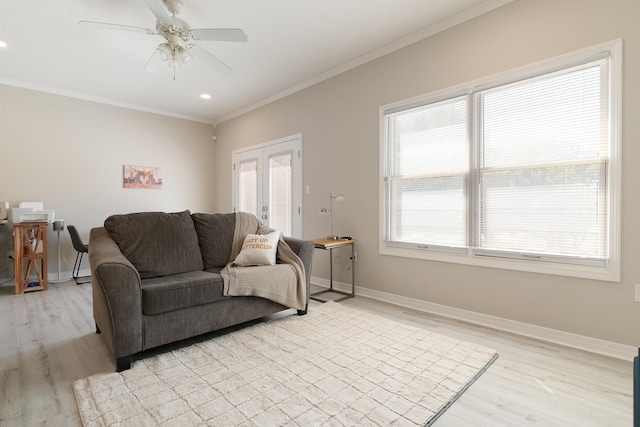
30	255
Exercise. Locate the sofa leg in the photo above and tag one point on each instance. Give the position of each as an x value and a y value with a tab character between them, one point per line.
123	363
303	312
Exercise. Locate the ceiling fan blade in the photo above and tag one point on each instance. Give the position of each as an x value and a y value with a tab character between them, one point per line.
211	60
161	12
219	34
107	26
154	63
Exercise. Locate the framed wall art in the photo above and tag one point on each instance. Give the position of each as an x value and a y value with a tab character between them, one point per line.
148	177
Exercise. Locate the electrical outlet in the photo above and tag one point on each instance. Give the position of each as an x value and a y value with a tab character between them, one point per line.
9	254
637	293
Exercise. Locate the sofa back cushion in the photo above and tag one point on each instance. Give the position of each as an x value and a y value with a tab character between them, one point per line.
215	234
157	243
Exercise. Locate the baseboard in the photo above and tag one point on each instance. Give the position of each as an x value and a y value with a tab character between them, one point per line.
65	275
52	276
592	345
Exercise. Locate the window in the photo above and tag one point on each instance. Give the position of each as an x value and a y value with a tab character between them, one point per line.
427	174
520	171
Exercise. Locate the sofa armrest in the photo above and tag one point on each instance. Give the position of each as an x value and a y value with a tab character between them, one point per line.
117	301
304	250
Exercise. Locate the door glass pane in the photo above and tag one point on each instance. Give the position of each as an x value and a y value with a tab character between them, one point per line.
280	192
248	186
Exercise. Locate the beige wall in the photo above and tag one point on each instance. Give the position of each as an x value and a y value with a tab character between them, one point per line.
69	154
338	119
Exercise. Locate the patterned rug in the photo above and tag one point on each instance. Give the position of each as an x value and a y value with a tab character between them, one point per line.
335	366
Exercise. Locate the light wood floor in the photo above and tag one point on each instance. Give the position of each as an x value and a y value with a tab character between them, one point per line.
47	341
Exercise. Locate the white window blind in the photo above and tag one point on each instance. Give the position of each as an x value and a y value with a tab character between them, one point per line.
426	175
541	179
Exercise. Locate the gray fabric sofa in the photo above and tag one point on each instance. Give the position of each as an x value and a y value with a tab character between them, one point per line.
156	279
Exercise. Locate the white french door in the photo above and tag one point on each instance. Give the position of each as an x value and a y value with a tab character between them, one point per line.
267	181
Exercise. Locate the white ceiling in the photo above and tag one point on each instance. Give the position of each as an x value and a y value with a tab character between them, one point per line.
291	45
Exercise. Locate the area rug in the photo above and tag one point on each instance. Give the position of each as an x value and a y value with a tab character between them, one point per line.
335	366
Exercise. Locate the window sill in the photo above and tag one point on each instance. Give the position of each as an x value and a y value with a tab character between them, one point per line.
610	272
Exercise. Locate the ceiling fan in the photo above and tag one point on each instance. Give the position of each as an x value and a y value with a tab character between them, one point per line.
178	49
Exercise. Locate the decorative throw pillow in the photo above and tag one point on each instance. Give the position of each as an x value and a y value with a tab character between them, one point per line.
258	249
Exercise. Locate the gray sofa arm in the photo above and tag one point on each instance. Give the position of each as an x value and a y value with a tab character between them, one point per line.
304	250
117	305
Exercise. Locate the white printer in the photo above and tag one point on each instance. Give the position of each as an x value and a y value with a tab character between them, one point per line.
31	212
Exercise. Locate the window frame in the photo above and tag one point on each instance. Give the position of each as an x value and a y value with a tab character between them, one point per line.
607	271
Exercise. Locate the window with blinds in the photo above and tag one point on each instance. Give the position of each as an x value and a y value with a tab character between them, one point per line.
541	177
516	169
427	174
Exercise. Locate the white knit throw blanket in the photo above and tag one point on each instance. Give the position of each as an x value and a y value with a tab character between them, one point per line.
284	283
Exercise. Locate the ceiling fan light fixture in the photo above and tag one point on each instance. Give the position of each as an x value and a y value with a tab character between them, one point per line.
174	62
164	51
185	57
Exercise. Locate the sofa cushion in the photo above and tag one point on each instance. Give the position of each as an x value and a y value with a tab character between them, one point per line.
215	235
178	291
157	243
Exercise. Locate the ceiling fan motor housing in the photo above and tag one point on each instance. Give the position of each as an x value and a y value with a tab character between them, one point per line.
173	6
179	29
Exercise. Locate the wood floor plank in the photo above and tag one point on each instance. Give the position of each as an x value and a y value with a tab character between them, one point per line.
48	340
10	409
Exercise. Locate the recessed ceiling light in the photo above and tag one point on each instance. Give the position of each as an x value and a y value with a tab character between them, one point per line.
205	96
2	44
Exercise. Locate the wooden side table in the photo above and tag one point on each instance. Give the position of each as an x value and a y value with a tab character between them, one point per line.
330	245
30	255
